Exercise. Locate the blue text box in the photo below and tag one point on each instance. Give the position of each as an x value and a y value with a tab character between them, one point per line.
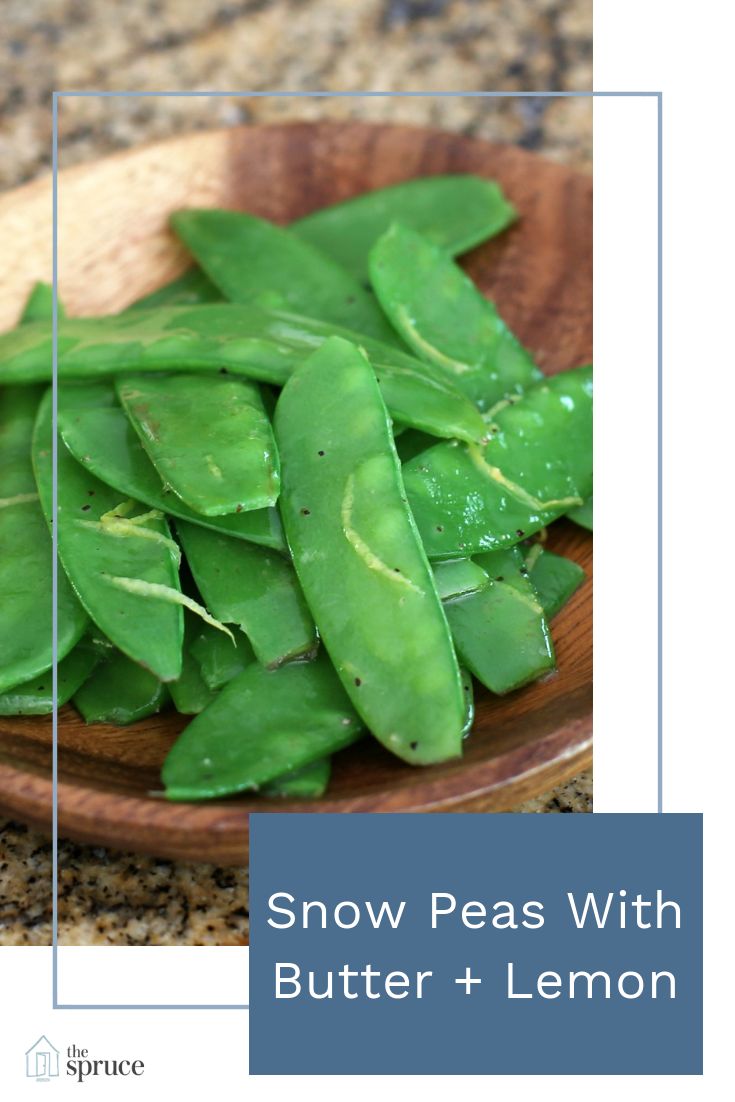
521	1017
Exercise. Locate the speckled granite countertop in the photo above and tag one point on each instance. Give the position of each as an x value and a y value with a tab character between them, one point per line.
330	45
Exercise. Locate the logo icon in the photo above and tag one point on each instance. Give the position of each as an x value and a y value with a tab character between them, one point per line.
42	1060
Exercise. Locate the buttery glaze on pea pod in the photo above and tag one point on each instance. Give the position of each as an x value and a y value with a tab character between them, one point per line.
120	559
209	439
359	559
456	212
96	431
263	723
253	588
500	632
445	320
25	555
536	465
242	340
251	259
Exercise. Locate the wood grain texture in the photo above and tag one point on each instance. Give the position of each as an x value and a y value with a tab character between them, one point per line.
114	246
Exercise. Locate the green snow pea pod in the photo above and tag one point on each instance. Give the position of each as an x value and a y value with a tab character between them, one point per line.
191	288
263	724
40	305
554	578
308	783
26	555
455	212
500	632
250	259
359	559
445	320
120	692
190	693
582	515
122	562
536	465
457	577
242	340
35	697
96	431
209	439
218	659
254	588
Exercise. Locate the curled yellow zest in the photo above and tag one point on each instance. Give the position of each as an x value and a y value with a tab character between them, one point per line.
19	499
212	467
358	543
456	366
115	523
513	488
533	556
165	593
488	415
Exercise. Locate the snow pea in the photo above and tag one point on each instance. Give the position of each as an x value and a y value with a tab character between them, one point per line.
120	692
500	632
250	259
445	320
582	515
209	439
263	724
554	578
243	340
536	465
26	598
457	577
455	212
190	693
253	588
308	783
359	559
40	305
112	552
98	434
35	697
218	660
191	288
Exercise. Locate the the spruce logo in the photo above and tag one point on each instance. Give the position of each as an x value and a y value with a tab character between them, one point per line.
42	1060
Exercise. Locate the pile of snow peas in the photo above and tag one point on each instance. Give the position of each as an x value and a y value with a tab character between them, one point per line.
302	494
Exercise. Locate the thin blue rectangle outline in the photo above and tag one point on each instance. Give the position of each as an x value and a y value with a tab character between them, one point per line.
55	97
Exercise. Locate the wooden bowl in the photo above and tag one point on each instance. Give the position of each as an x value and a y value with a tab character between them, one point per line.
114	246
